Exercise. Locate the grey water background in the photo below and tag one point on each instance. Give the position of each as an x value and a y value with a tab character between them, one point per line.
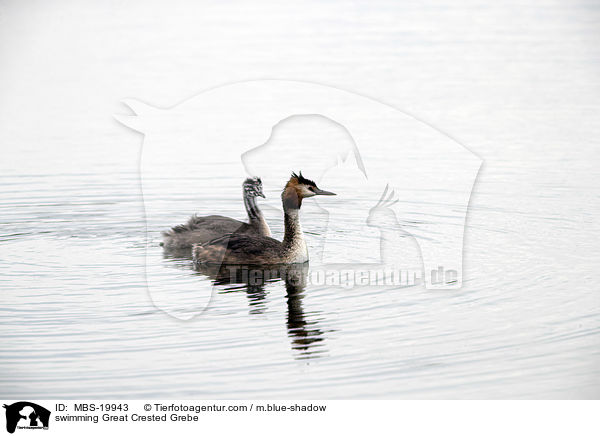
517	83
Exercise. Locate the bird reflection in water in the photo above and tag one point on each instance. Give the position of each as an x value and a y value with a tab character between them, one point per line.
306	335
304	332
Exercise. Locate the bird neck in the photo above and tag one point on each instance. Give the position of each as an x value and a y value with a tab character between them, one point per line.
254	213
291	220
255	216
293	229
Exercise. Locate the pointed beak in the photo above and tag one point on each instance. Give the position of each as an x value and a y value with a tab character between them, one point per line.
322	192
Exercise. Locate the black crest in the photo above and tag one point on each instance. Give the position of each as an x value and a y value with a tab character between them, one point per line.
304	180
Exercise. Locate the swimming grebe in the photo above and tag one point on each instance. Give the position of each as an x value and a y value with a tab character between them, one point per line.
245	249
206	228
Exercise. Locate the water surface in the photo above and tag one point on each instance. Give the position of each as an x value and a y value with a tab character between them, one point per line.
520	90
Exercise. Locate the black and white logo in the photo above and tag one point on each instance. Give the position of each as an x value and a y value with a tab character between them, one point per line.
26	415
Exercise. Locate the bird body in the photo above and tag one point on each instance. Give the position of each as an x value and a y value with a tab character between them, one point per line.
246	249
206	228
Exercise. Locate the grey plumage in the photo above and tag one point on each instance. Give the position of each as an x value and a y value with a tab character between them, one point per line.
247	249
206	228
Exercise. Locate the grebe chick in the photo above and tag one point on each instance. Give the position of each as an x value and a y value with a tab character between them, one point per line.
245	249
206	228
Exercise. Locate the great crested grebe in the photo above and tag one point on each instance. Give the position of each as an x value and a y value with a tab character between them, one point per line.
245	249
206	228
